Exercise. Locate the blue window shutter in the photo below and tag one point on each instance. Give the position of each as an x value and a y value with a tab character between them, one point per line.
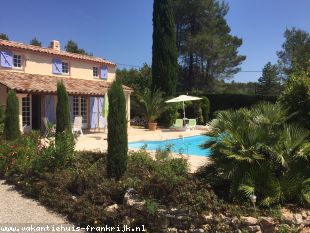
57	66
104	72
6	59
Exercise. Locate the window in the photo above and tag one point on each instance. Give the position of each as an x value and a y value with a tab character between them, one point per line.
65	67
17	61
95	71
26	110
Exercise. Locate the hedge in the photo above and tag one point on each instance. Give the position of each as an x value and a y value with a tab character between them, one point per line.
235	101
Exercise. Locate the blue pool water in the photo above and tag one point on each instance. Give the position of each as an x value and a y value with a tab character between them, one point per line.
185	146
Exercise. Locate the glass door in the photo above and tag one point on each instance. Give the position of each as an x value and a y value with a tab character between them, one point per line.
80	107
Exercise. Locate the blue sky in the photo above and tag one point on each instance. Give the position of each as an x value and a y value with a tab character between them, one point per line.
121	31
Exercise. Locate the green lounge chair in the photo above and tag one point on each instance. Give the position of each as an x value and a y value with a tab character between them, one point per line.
178	124
192	124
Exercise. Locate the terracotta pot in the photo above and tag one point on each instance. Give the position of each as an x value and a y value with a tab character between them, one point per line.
152	126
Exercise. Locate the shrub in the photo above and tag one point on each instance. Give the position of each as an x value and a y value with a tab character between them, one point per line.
205	108
1	119
11	121
220	102
296	99
168	117
63	122
256	151
117	133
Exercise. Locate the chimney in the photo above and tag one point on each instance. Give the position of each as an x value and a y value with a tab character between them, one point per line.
55	44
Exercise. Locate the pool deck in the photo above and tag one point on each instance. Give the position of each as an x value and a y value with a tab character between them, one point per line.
96	141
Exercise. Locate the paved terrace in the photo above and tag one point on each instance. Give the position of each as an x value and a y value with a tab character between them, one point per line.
96	141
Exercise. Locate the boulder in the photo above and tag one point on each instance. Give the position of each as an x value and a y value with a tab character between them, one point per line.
248	221
206	227
254	229
298	219
306	221
208	218
133	199
305	230
172	230
287	216
196	230
267	224
111	210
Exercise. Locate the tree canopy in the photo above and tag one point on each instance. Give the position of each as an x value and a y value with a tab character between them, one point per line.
295	51
73	47
4	36
269	82
207	51
138	79
36	42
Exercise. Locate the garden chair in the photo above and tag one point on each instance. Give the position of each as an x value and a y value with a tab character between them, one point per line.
178	124
192	124
77	125
50	128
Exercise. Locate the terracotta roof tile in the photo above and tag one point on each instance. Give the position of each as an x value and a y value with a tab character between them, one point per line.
36	83
17	45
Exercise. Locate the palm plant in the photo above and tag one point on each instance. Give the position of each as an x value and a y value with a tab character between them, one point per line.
149	104
256	151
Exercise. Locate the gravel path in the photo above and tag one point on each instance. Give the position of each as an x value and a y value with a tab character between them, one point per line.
16	209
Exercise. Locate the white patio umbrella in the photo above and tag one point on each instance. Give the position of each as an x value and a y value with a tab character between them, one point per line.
183	98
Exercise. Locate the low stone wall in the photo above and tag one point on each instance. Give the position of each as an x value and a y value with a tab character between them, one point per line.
177	220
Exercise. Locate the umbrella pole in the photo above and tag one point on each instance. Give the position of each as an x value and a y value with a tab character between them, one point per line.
183	114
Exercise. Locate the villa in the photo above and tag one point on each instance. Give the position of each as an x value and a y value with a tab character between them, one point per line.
33	72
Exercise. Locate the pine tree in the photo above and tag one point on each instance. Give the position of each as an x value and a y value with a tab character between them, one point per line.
269	83
4	36
36	42
164	51
63	122
11	120
117	133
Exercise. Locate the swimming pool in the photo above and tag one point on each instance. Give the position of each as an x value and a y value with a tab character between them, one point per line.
186	145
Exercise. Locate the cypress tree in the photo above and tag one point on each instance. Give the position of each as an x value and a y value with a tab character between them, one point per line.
11	120
63	122
164	51
117	133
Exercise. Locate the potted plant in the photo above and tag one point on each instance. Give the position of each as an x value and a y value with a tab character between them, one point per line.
150	105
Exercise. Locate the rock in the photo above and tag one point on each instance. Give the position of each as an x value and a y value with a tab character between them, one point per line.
298	219
267	224
172	230
196	230
111	210
128	221
304	214
306	222
133	199
288	217
74	198
206	227
254	229
235	222
305	230
249	221
208	218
